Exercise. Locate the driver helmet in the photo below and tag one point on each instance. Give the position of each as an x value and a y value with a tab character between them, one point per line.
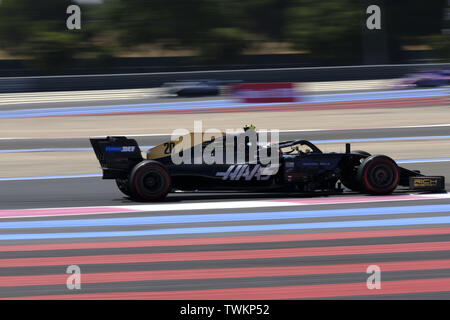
249	127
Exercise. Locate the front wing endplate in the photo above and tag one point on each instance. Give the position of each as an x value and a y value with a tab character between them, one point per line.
429	183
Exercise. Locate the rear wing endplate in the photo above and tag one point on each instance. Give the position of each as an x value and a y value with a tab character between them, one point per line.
117	155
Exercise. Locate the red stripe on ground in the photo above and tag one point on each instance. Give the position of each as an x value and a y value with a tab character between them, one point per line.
224	273
270	293
227	240
362	104
226	255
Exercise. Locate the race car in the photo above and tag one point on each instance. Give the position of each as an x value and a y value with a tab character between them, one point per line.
198	88
426	79
299	166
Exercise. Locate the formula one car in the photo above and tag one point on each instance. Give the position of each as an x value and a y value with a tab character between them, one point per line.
198	88
300	166
426	79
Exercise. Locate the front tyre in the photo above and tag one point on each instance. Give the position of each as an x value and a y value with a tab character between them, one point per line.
149	181
378	175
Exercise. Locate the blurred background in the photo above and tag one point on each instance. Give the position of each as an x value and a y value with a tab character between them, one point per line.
129	36
143	68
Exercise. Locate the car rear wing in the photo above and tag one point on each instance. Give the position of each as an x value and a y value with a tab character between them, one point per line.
117	155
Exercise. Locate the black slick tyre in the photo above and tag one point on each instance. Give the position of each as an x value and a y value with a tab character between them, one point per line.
149	181
378	175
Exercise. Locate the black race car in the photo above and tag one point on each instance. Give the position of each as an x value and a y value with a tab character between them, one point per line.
197	88
301	166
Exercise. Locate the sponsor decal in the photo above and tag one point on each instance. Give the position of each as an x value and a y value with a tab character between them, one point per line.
316	164
120	149
427	182
245	172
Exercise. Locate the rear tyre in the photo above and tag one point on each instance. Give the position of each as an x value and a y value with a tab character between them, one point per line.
149	181
123	185
378	175
352	181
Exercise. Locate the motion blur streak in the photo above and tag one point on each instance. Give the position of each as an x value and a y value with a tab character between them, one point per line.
134	67
368	104
201	218
226	255
287	264
288	292
339	101
220	273
226	240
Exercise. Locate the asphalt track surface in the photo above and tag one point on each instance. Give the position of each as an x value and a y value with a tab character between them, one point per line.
151	105
313	135
223	245
205	247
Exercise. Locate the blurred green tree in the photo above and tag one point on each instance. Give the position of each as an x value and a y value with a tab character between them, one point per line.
441	44
416	23
213	28
329	30
37	30
218	30
264	17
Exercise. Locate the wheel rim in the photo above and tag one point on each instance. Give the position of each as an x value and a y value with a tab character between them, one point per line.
381	176
152	182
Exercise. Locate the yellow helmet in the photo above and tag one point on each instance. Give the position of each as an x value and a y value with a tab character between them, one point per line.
249	127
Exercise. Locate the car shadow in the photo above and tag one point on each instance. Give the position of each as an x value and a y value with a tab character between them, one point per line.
180	197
